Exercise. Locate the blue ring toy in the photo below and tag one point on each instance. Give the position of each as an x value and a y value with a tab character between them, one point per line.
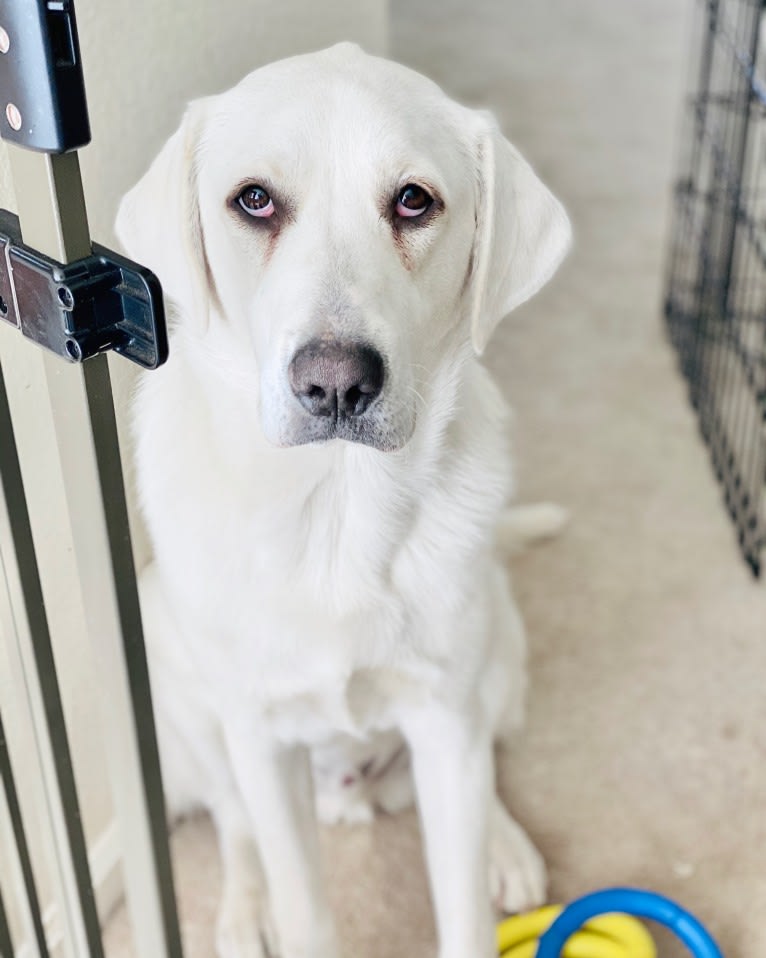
631	901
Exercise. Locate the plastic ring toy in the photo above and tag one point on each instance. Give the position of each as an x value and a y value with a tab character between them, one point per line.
606	936
633	901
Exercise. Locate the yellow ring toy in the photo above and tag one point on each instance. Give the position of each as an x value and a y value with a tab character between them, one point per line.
608	936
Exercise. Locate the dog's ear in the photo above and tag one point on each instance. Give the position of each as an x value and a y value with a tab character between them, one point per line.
522	232
158	221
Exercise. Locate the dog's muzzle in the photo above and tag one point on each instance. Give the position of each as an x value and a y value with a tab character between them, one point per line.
336	381
345	392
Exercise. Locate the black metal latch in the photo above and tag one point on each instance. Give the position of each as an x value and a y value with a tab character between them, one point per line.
103	301
41	76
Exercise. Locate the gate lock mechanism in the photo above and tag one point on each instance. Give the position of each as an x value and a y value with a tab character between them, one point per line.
77	310
102	301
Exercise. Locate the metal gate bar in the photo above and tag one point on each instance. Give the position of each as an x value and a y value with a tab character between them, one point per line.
32	664
34	916
46	112
53	220
6	948
13	888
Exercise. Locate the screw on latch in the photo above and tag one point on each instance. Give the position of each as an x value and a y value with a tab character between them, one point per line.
65	297
74	350
13	115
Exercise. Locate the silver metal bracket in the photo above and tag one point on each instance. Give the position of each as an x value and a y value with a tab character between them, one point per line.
83	308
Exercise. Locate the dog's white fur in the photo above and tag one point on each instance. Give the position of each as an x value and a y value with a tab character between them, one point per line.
336	598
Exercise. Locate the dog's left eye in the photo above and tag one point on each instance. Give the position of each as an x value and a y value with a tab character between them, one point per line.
255	201
412	201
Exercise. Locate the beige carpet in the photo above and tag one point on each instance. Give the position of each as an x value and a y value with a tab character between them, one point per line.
645	756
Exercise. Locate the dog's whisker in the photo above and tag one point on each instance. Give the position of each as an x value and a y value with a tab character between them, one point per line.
412	389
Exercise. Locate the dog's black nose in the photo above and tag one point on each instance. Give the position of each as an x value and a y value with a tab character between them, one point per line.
333	379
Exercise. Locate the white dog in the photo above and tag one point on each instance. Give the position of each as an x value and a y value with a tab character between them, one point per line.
322	466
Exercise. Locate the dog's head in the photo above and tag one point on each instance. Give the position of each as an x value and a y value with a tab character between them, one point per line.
341	225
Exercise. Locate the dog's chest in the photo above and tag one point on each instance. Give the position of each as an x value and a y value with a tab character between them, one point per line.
310	673
309	620
293	550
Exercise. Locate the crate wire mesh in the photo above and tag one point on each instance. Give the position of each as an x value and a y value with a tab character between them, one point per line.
716	291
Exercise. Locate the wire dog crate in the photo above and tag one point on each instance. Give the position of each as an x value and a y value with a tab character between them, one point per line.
716	292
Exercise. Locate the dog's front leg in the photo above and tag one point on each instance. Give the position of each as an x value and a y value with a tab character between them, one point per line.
454	780
275	782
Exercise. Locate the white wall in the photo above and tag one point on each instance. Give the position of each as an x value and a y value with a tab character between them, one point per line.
143	61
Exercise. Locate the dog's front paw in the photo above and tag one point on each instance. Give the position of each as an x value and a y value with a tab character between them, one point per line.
337	808
240	940
243	929
517	875
315	940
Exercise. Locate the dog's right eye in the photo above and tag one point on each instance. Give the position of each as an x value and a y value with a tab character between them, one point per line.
255	201
413	201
